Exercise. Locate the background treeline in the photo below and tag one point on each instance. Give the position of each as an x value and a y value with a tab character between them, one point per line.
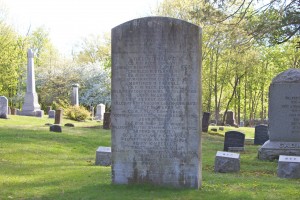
245	44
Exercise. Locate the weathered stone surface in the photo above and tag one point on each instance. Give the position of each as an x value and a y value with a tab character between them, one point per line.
234	139
284	112
103	156
261	134
55	128
288	167
156	102
227	162
205	121
3	107
100	110
51	114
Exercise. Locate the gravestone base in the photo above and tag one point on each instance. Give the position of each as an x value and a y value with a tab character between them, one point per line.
227	162
103	156
36	113
288	167
236	149
272	150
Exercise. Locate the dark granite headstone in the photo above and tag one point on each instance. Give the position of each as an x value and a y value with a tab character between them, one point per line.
234	139
261	134
55	128
106	121
205	121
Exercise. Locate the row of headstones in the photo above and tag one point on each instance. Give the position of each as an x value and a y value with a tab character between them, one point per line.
288	166
225	162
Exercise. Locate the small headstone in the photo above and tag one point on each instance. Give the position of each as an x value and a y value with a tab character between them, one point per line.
100	110
39	113
221	128
261	134
13	111
288	167
205	121
227	162
51	114
242	124
3	107
230	118
106	121
69	125
55	128
18	112
103	156
234	139
283	117
48	109
58	116
31	104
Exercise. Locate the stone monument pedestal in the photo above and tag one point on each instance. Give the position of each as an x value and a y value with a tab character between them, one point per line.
272	150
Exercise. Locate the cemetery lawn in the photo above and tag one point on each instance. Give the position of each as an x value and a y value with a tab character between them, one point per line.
248	131
38	164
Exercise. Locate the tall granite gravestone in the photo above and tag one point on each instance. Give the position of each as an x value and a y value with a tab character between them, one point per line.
205	121
75	97
100	110
284	116
31	106
156	102
230	118
261	134
234	139
3	107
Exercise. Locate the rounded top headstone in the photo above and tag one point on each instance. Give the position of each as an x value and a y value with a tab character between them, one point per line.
30	53
288	76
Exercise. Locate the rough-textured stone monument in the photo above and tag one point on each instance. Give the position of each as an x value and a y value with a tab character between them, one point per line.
100	110
75	97
31	106
234	139
261	134
227	162
156	102
3	107
284	116
205	121
288	167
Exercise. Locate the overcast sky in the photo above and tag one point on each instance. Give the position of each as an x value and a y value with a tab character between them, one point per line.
69	20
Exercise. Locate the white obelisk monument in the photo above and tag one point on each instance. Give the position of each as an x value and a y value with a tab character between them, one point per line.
31	106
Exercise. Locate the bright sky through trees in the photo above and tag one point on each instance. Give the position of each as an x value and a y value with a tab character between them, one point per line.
69	20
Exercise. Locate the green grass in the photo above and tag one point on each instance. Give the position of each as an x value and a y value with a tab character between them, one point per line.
248	131
38	164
